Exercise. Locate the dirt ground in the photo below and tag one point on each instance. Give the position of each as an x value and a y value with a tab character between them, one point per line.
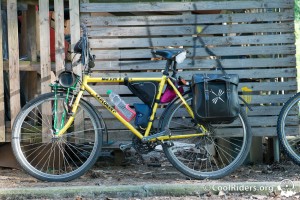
138	170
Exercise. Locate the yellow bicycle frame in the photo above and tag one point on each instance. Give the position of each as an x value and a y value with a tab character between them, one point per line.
162	81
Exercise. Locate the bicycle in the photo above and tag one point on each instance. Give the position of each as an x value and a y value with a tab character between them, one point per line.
288	125
52	145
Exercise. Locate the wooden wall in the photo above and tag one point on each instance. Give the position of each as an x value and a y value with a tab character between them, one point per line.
254	39
34	42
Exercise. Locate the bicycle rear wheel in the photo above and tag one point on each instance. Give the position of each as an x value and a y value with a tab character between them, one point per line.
221	151
51	158
288	128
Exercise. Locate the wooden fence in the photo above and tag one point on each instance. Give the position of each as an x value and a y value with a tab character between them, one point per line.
254	39
34	41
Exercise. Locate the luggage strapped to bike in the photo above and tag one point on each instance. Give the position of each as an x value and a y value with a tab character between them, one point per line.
215	96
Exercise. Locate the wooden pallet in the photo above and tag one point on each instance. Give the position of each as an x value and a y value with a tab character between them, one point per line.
254	39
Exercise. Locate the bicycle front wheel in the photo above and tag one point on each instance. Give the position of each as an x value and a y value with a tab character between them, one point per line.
288	128
56	158
218	153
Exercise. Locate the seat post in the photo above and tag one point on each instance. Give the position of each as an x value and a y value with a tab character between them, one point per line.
168	65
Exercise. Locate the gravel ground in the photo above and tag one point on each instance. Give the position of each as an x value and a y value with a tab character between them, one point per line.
150	169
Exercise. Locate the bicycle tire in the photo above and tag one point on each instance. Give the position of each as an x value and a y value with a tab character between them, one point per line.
189	155
289	115
46	157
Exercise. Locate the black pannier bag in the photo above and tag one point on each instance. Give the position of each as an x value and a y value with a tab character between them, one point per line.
146	91
215	97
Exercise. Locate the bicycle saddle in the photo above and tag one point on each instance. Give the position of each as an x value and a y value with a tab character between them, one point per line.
168	54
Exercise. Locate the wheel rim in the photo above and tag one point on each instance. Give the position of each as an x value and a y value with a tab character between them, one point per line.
208	155
55	157
290	129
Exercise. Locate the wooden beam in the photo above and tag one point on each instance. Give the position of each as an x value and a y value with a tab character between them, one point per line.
75	30
183	6
2	109
31	77
59	36
31	33
14	73
45	60
23	41
44	45
21	6
37	31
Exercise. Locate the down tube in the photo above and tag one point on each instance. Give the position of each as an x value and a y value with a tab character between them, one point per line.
113	111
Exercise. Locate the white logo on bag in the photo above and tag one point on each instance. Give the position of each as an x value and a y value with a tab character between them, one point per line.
218	96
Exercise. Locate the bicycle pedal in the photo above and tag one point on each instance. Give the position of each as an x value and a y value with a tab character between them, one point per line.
156	135
169	143
124	147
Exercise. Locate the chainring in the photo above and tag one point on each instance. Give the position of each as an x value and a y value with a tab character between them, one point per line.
142	148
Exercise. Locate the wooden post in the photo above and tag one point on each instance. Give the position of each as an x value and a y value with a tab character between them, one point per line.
2	110
256	152
44	45
45	59
23	36
13	43
37	31
59	36
31	33
75	30
31	77
75	36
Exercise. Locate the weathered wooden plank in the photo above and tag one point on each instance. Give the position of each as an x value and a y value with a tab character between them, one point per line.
287	15
2	108
29	66
257	110
200	52
31	77
44	46
31	33
289	61
190	30
270	122
75	30
23	35
192	41
45	56
125	135
269	100
243	74
59	36
184	6
266	111
37	30
254	87
14	75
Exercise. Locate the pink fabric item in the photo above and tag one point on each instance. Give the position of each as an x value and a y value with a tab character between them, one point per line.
169	95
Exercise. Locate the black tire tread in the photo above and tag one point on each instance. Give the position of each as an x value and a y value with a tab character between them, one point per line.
280	135
222	173
58	179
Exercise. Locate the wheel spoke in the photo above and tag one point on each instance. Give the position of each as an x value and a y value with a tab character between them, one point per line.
56	158
288	128
213	155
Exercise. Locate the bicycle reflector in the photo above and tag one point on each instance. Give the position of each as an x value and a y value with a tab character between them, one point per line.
66	79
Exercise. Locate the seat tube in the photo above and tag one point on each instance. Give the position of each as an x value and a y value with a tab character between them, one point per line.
155	106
